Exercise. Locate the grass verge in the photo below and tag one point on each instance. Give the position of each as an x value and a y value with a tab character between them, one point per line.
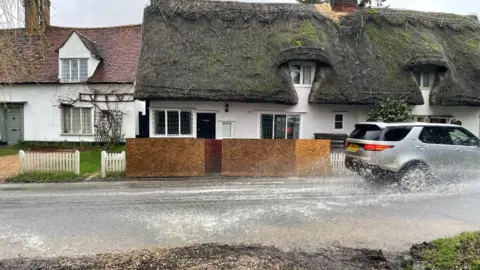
90	164
459	252
44	177
8	152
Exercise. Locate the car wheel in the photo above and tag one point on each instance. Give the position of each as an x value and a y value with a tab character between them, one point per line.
414	177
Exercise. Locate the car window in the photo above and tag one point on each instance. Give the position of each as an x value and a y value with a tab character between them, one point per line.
366	132
460	136
396	134
435	135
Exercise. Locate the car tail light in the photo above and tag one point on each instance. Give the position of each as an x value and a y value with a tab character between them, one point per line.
376	147
346	144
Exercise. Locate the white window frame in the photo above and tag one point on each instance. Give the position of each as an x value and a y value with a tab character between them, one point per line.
302	65
232	129
431	76
426	119
343	120
166	135
286	124
70	80
81	122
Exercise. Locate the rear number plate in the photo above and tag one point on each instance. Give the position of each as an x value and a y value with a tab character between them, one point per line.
353	148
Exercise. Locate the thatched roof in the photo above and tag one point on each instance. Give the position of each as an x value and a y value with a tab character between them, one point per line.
231	51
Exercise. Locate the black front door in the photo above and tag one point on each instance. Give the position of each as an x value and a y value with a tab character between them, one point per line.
206	123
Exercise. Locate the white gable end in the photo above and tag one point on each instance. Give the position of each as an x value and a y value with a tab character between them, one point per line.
74	48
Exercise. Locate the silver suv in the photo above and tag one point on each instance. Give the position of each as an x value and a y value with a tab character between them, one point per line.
393	150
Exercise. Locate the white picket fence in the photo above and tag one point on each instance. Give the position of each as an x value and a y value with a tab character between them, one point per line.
113	162
337	160
49	162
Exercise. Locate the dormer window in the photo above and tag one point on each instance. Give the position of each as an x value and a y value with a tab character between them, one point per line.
74	70
302	73
427	79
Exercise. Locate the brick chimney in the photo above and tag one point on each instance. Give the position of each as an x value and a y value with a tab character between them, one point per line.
344	5
37	16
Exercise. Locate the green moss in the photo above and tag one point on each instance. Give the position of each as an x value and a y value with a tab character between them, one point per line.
172	52
430	43
307	30
386	48
459	252
323	34
302	34
405	35
467	43
373	12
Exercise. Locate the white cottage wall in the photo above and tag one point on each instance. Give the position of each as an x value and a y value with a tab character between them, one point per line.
470	116
42	114
315	118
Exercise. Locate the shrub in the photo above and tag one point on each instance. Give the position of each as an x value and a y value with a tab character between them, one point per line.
390	110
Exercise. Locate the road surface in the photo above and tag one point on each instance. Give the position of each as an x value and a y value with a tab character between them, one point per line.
307	214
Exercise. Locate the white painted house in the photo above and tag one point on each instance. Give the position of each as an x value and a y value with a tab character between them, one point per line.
282	71
65	84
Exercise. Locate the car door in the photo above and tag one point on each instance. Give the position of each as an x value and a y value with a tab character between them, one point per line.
434	147
467	152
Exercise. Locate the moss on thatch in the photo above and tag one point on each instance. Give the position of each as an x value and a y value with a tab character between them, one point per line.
231	51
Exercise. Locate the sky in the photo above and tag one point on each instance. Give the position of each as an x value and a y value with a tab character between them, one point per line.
95	13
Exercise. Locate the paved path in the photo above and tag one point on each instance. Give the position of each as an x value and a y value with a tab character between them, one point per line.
74	219
9	166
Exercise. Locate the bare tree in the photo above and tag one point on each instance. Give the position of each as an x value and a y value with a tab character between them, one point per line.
109	109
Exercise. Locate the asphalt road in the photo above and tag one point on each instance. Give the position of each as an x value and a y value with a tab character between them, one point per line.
307	214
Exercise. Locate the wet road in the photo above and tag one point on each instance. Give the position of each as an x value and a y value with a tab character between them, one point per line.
76	219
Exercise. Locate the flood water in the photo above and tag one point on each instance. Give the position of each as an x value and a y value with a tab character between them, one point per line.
307	214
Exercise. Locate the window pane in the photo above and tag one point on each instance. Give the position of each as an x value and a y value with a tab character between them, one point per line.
396	134
338	125
67	120
83	69
462	138
366	132
160	122
434	135
280	125
186	122
266	126
172	123
76	121
293	128
226	130
86	120
307	75
338	117
426	80
438	120
74	67
295	77
66	70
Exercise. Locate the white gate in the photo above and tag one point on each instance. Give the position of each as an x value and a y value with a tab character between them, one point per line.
49	162
337	160
113	162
